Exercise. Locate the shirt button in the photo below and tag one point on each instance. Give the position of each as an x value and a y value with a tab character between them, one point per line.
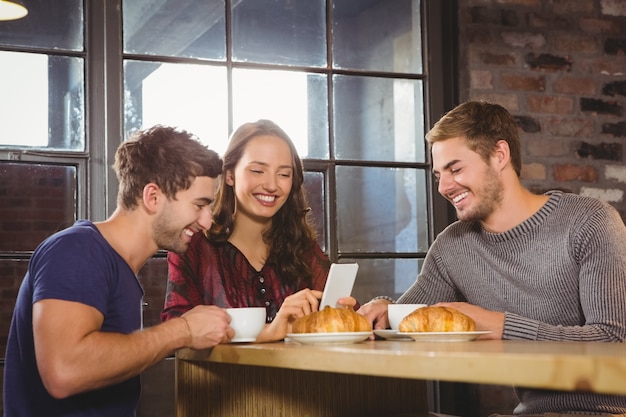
261	280
262	290
267	303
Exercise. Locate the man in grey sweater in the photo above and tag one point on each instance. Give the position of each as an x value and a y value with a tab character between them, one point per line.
523	266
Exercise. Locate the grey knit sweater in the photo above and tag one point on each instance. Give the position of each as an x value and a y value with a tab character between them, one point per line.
560	275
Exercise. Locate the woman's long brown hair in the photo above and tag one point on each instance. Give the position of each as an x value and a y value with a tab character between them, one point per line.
291	234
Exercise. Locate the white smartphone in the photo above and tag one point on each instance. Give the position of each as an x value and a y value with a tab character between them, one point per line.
338	284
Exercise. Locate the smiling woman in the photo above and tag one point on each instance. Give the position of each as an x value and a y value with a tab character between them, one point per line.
261	249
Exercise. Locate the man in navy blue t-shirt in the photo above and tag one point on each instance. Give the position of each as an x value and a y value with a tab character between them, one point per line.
76	346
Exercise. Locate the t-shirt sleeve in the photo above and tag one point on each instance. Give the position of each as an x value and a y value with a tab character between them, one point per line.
71	267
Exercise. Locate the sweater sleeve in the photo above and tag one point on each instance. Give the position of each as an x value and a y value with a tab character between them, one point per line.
432	285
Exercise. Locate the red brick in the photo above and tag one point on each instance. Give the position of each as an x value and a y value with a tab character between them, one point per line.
602	65
575	85
570	172
498	59
567	7
526	3
533	171
536	20
508	101
572	42
523	82
550	104
570	127
524	39
592	25
481	79
546	147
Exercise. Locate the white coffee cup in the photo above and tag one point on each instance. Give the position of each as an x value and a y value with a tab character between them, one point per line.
397	312
247	322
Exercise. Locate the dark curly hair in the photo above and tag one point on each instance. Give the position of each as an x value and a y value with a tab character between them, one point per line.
169	157
291	234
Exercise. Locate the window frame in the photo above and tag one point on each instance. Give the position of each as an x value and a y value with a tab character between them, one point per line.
104	118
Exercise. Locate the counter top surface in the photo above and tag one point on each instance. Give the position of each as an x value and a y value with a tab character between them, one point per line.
587	366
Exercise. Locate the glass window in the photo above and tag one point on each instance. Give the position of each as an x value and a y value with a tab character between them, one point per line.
190	28
377	35
193	97
391	277
42	99
36	200
381	210
297	101
315	192
42	104
54	24
358	115
279	32
379	119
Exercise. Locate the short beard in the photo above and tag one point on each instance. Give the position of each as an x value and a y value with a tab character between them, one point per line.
165	236
489	196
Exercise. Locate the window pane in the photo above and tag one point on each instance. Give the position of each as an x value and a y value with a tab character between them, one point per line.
391	277
11	274
37	201
42	101
296	101
180	28
389	35
315	191
280	32
54	24
381	209
378	119
192	97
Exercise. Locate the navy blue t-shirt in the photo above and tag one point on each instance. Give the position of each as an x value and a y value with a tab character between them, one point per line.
76	264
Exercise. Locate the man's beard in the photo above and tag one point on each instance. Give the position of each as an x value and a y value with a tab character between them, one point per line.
167	236
489	197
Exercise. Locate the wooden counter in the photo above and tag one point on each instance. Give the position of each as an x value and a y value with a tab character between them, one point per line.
206	378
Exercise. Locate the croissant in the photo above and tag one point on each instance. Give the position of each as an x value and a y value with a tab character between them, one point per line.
331	320
437	319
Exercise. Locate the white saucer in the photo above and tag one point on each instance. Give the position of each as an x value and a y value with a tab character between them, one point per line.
445	336
243	340
391	334
328	338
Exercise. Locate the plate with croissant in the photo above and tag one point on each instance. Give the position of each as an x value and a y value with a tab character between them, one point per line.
439	324
331	325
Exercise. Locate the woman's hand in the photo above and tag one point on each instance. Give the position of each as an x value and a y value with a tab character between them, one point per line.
297	305
347	302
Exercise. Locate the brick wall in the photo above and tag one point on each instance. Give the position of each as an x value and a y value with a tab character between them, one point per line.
559	66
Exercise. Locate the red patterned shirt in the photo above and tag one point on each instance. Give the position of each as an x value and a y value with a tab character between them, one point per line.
219	274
